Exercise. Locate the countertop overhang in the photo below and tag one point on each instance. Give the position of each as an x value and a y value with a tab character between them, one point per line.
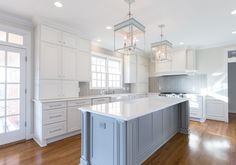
128	110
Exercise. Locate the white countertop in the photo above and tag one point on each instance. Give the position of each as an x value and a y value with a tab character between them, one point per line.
127	110
86	97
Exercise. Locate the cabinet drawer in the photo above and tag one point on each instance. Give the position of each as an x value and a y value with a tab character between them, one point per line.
53	130
79	103
101	101
54	105
53	116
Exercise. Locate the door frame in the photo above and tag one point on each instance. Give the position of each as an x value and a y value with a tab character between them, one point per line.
27	33
226	73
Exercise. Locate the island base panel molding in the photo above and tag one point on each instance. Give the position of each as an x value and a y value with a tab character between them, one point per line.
110	141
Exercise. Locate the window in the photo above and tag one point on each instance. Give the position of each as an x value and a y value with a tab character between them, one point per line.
106	72
11	38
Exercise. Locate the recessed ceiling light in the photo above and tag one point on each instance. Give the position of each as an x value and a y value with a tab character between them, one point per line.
58	4
99	40
108	27
233	12
234	32
181	43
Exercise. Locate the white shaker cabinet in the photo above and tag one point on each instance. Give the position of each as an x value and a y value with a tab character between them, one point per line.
50	59
69	68
84	45
50	89
50	35
53	89
74	114
55	36
56	63
69	40
130	69
83	66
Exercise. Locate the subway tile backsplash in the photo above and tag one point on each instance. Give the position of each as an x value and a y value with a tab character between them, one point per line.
180	83
86	91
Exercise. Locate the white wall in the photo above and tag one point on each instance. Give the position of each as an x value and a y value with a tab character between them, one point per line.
213	63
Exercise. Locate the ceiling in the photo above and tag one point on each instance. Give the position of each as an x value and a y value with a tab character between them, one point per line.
194	22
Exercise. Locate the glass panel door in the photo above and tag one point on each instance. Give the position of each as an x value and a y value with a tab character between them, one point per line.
12	94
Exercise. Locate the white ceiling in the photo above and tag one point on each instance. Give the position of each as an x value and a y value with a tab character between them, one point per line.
194	22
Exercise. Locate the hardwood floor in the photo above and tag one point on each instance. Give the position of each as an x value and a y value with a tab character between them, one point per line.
210	143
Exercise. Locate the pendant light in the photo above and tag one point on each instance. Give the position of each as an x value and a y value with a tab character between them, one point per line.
161	50
129	35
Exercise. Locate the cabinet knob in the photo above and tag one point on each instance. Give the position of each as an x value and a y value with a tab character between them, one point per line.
103	125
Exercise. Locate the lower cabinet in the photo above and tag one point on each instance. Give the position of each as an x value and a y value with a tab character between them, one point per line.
216	109
103	141
57	120
74	115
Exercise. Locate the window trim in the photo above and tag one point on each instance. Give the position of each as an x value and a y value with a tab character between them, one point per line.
107	57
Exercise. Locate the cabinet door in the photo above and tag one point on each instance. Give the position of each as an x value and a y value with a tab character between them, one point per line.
69	60
142	75
51	35
215	109
50	61
179	60
70	89
83	66
84	45
130	69
50	89
69	40
102	140
74	119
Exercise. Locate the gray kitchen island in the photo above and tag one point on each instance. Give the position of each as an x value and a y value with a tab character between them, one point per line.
129	132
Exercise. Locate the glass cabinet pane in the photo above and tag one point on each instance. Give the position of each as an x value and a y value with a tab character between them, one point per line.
13	75
13	91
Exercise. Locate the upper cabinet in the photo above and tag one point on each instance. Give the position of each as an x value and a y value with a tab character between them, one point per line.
83	66
182	61
61	60
130	69
55	36
84	45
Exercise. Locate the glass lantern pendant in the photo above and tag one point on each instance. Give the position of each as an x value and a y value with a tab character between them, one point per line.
129	35
161	50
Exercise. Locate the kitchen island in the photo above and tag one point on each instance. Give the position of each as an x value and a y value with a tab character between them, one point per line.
128	132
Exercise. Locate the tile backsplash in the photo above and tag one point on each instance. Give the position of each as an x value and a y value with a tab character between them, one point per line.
86	91
180	83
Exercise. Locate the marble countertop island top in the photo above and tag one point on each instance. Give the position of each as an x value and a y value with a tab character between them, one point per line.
128	110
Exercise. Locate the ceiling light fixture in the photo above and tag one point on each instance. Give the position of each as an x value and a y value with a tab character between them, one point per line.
161	49
234	32
181	43
233	12
58	4
99	40
108	27
128	33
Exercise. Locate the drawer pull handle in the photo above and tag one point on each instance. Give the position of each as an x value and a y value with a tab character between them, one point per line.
56	130
56	116
103	125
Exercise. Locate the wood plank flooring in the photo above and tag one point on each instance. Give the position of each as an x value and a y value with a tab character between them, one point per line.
210	143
